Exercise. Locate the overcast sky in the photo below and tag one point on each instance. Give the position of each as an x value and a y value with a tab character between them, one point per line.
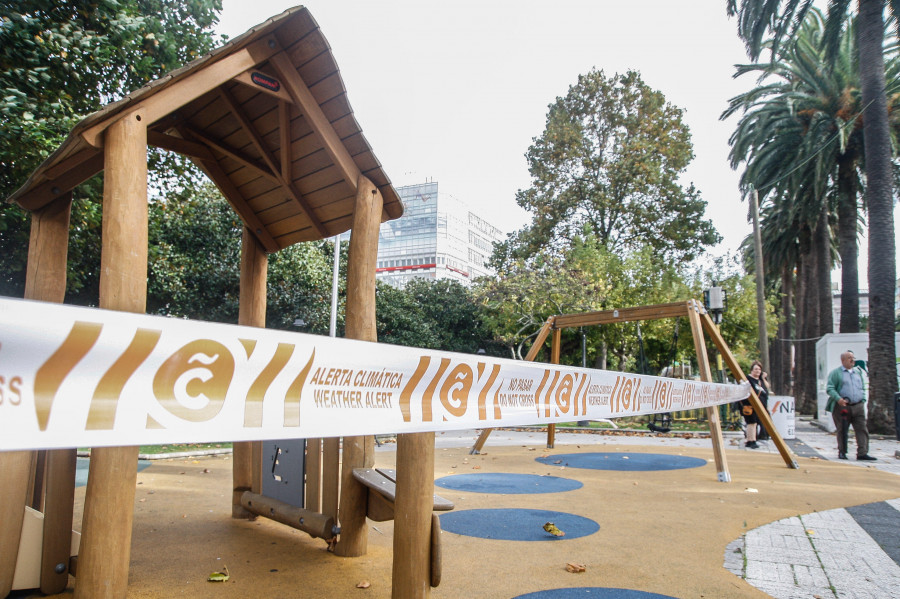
454	92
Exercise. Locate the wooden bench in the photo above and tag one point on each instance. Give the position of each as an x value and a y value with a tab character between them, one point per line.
383	481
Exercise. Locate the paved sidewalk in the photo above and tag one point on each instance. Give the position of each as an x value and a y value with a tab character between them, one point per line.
847	552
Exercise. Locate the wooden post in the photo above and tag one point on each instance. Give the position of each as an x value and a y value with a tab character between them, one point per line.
313	495
712	414
554	359
15	467
331	479
359	452
252	313
532	353
411	572
109	500
45	280
786	454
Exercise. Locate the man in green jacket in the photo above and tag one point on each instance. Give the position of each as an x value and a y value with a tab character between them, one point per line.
847	404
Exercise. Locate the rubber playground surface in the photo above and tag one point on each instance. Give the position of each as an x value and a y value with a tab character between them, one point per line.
638	531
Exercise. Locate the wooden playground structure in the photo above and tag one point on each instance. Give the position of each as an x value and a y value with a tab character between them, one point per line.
700	322
266	117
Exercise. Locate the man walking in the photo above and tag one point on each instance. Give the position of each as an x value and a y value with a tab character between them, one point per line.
847	404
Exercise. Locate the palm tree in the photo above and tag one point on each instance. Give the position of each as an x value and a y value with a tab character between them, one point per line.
782	137
756	18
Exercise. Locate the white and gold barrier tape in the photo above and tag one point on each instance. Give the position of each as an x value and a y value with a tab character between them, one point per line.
82	377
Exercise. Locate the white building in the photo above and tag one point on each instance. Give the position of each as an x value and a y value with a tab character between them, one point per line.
438	237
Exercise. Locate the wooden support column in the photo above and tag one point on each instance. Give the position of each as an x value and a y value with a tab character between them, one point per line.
786	454
532	354
252	313
359	452
109	501
15	467
554	359
712	414
411	571
45	280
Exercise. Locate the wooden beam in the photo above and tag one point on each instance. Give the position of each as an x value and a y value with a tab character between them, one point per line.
45	280
180	145
234	153
191	86
672	310
331	475
215	173
540	339
15	469
411	570
284	133
59	502
321	126
313	494
712	413
260	145
246	78
532	354
72	162
251	313
359	452
59	186
554	359
109	499
761	411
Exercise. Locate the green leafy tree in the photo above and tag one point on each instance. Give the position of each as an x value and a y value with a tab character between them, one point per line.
401	320
756	19
801	140
194	266
434	314
524	294
61	60
608	165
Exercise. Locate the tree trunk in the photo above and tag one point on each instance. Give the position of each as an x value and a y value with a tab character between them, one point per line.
781	347
882	261
807	327
848	247
823	274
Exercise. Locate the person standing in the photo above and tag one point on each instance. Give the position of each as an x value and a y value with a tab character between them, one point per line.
847	404
760	383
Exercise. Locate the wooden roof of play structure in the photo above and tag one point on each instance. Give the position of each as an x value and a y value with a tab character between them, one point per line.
266	117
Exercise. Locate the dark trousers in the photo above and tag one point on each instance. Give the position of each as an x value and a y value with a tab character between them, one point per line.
857	417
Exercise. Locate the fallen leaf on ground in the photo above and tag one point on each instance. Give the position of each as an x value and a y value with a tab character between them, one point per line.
551	528
574	568
219	576
363	585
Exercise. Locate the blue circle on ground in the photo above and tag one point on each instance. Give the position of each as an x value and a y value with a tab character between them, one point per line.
598	592
503	482
82	465
516	524
630	462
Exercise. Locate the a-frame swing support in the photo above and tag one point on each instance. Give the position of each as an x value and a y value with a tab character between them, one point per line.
700	322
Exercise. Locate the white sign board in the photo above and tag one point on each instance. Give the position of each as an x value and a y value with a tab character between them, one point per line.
81	377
